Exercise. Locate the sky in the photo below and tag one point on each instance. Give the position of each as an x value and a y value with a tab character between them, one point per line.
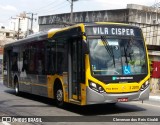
12	8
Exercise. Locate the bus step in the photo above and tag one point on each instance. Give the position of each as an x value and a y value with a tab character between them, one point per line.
75	101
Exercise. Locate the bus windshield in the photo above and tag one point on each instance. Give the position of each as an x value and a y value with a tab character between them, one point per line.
117	56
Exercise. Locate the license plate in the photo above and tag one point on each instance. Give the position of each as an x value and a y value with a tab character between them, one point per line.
122	99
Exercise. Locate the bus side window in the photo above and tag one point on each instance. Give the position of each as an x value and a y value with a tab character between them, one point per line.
50	57
40	58
32	59
14	61
61	57
25	61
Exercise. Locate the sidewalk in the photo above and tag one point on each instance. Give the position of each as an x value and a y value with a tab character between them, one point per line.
155	96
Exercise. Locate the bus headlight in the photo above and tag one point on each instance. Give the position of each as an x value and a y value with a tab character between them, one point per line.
96	87
144	86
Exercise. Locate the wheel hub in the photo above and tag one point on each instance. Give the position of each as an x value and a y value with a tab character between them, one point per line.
59	95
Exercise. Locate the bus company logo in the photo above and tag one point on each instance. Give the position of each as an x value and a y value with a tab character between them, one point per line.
114	78
123	88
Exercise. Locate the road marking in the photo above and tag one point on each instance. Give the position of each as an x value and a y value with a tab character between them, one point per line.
147	104
5	123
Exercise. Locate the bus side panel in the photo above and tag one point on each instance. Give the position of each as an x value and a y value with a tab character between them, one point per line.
5	81
83	94
39	85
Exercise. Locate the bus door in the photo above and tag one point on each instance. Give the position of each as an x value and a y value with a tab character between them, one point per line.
74	69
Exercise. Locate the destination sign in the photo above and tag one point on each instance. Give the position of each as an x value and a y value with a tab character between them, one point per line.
120	31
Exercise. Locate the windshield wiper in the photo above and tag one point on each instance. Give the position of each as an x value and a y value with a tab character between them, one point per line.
125	54
108	48
126	50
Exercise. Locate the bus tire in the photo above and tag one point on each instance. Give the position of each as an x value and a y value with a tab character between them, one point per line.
59	96
16	87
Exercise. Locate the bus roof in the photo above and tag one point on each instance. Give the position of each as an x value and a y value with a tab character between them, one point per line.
34	37
50	33
43	35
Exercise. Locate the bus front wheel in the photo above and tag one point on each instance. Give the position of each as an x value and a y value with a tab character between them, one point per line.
16	88
59	96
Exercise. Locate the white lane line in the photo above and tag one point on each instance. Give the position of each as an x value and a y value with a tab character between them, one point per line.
5	123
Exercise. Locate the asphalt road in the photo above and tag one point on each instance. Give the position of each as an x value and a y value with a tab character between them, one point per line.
34	106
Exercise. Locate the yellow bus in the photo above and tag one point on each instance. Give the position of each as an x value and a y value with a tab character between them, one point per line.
87	63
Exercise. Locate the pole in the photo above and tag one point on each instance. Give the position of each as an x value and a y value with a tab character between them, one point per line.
31	21
71	18
14	26
18	28
18	31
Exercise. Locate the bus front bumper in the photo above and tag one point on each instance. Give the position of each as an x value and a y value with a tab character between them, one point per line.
94	97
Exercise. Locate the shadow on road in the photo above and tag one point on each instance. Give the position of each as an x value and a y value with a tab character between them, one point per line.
104	109
89	110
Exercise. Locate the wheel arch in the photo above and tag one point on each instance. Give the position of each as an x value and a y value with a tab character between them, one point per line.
58	92
57	83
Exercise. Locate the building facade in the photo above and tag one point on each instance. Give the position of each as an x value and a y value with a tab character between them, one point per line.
145	17
22	22
6	36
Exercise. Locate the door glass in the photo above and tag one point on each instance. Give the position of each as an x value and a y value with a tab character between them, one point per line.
75	69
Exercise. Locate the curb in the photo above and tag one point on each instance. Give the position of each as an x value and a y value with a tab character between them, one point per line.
157	98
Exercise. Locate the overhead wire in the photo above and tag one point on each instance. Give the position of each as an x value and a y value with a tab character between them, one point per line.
42	7
51	7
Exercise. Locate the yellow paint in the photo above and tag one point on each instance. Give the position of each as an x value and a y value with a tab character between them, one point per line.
51	79
113	87
122	87
83	94
74	97
65	87
147	59
51	33
113	23
88	72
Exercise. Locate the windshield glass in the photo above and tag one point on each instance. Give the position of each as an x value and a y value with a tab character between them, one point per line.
115	56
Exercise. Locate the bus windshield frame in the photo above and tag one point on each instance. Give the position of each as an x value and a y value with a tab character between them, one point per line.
117	56
110	44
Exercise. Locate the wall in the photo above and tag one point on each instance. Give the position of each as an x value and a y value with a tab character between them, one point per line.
60	20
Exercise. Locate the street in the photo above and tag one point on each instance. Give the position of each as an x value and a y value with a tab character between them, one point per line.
31	105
